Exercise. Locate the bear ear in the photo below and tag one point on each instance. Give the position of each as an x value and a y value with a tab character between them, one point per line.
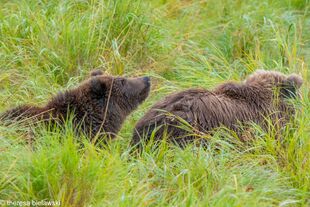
96	73
295	80
98	86
290	86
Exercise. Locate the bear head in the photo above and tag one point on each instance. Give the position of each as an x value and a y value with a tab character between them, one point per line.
127	93
287	85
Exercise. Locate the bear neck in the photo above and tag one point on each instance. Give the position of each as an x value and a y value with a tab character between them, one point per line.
62	104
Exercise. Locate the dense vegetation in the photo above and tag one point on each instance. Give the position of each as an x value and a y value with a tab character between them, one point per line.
47	46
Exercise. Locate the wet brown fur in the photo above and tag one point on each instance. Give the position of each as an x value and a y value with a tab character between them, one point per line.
230	105
99	105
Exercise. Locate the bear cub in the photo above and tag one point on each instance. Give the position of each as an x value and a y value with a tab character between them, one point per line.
99	105
262	95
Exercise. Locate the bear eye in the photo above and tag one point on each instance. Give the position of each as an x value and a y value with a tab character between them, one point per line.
123	81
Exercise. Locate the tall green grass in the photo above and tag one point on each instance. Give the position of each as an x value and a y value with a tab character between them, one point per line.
47	46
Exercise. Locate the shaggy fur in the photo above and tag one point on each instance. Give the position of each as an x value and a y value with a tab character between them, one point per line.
230	105
99	104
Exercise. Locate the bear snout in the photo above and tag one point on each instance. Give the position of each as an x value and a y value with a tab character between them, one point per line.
147	81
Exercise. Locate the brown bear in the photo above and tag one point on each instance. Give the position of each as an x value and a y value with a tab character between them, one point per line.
99	105
181	115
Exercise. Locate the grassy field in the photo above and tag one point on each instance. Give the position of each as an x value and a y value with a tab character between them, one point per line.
47	46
